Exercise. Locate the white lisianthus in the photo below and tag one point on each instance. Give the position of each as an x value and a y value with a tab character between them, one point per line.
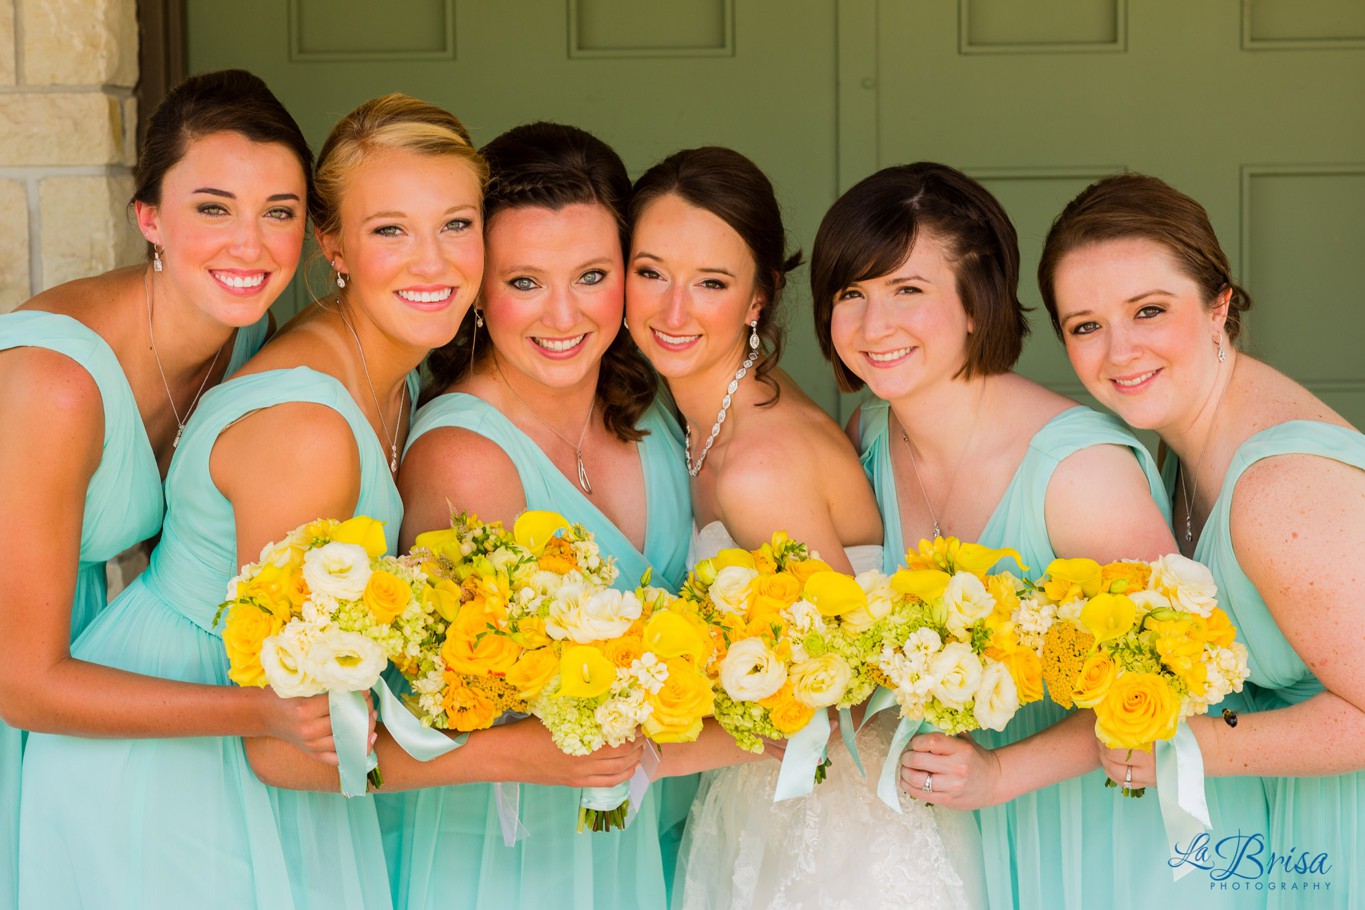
751	671
821	682
1148	600
345	661
997	698
956	672
285	664
1187	583
967	601
583	614
731	589
881	599
339	569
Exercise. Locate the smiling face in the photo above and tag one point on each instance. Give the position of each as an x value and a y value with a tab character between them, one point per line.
554	293
1137	329
231	220
906	331
411	242
691	290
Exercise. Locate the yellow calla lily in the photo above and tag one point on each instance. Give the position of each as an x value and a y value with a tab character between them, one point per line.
585	672
834	593
1107	616
733	556
977	559
445	542
669	635
534	528
1068	578
444	596
926	584
363	531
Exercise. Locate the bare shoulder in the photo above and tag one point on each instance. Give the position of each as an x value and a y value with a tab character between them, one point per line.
1291	507
1099	504
1273	398
456	468
296	442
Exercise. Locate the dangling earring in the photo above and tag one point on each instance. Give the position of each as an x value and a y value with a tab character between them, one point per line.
1222	354
341	280
478	319
753	335
625	323
474	337
156	258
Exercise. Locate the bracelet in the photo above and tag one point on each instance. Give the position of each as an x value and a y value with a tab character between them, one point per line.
1230	717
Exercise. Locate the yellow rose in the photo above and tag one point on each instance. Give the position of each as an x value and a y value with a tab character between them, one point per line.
1125	577
365	532
1107	616
535	528
585	672
246	627
802	571
533	671
387	596
1139	709
1027	671
775	592
1097	674
679	705
623	651
466	708
475	647
786	713
834	593
1071	579
668	634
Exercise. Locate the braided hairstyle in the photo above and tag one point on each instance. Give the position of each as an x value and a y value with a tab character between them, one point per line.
551	166
871	229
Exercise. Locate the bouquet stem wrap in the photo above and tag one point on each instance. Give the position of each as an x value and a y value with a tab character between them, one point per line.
350	730
805	752
1180	789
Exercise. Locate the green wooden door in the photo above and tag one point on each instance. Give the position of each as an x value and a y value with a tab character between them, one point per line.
1253	107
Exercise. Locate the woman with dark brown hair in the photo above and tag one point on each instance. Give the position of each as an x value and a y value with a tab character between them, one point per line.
915	279
543	402
1268	484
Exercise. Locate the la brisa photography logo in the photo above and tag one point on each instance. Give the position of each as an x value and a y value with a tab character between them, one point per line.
1248	862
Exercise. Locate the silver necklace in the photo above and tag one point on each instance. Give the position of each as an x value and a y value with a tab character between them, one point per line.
1190	492
725	402
952	481
151	336
583	483
393	437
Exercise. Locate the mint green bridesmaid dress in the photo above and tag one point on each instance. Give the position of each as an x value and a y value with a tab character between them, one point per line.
143	824
1308	815
123	506
447	848
1076	844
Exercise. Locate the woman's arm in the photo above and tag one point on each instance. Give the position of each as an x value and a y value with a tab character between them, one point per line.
455	468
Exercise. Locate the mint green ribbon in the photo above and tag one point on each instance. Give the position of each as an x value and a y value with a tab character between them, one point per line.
421	742
804	753
604	799
351	734
888	785
1180	786
848	732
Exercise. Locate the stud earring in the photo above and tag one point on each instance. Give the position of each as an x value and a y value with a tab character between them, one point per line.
753	335
156	258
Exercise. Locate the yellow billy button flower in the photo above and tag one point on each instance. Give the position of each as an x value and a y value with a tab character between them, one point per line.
1107	616
669	635
585	672
363	531
974	558
834	593
534	528
1064	651
926	584
1070	579
387	596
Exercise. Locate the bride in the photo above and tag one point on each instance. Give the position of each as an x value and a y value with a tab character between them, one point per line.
704	279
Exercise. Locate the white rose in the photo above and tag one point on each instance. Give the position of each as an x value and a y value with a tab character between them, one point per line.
956	672
338	569
996	697
881	599
751	671
283	660
821	682
345	661
966	601
585	615
730	591
1187	583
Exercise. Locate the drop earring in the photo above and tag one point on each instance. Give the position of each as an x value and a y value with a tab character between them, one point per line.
341	279
625	323
156	258
753	335
1222	354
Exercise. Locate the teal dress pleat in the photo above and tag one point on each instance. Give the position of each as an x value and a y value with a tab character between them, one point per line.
446	844
1308	815
123	506
1076	844
174	823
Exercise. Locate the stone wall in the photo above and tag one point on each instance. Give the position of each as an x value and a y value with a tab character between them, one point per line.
67	141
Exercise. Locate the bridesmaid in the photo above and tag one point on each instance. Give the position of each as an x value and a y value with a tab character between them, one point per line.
169	822
914	280
100	376
543	403
1269	489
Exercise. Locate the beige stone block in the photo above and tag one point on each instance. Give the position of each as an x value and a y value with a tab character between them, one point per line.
62	128
79	42
14	286
85	228
7	45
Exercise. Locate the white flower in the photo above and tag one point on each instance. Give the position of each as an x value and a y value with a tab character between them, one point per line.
284	663
345	661
619	717
751	671
996	697
1031	622
821	682
1187	583
730	590
881	599
585	614
650	671
956	672
966	600
339	569
805	618
1148	600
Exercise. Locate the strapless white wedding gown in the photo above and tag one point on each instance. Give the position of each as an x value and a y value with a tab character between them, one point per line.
839	847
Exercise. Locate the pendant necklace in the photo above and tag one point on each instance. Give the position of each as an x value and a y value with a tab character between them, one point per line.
393	437
151	336
952	481
1190	492
583	483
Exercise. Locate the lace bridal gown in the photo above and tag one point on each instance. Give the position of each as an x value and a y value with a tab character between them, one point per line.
839	847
